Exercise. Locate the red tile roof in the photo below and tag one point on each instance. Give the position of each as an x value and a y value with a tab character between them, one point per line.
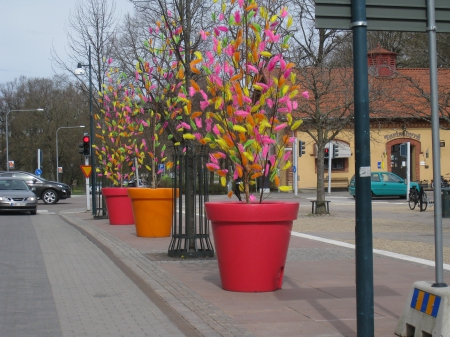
405	94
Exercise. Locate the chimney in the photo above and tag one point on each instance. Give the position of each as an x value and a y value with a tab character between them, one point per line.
382	62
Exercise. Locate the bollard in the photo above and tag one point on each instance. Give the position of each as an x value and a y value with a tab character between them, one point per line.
426	312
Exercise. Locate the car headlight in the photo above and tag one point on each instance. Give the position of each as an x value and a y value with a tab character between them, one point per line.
32	198
60	186
2	198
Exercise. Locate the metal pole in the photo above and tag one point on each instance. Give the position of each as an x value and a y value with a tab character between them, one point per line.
7	145
88	203
94	187
39	159
57	163
363	201
408	169
330	156
431	28
137	171
295	168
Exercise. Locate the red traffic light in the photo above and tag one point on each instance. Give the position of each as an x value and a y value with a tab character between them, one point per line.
85	147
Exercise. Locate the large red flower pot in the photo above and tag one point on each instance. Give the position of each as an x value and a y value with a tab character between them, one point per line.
251	243
153	211
118	204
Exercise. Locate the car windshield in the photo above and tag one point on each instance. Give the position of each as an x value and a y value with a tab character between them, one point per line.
16	184
36	177
389	177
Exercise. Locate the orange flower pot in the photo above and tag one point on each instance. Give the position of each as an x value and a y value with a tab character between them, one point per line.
153	211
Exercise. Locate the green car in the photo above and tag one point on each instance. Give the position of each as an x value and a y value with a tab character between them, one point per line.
385	184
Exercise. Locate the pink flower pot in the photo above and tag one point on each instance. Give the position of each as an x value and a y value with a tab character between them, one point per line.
120	211
251	242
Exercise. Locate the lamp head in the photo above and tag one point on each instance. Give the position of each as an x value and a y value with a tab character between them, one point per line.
79	70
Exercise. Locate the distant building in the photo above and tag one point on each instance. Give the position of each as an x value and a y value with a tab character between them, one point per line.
400	114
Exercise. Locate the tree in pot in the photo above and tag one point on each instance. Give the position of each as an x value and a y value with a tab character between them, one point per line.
151	97
157	87
248	118
118	125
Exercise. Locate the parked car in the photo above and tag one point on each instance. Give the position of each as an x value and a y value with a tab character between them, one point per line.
385	184
132	183
49	191
98	189
15	195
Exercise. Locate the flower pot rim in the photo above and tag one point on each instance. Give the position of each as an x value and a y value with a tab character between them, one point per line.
114	191
238	212
151	193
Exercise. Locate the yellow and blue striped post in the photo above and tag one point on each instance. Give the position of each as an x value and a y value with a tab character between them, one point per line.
425	302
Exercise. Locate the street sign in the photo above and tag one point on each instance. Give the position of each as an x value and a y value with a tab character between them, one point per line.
86	170
38	172
398	15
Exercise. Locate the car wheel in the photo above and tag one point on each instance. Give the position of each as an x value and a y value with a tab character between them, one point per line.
33	212
50	197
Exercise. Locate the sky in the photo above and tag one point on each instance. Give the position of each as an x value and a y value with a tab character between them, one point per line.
29	29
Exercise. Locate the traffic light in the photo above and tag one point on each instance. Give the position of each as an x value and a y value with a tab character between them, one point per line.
301	148
335	150
80	148
327	152
85	147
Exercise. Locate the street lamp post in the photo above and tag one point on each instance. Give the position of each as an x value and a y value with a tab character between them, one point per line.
80	71
57	160
7	132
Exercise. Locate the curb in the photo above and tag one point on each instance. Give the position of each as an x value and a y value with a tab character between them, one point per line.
186	309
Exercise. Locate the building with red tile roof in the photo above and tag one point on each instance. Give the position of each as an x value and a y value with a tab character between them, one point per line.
400	112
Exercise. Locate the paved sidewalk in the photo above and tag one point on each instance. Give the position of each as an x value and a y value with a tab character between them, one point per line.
317	299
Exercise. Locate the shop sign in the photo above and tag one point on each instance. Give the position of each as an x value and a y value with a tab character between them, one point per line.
402	134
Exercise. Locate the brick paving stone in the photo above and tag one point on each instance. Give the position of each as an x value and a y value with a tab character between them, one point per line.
191	305
92	295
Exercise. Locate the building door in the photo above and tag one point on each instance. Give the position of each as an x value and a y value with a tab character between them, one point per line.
398	162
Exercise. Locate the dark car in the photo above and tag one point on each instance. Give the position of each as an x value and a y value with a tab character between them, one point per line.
49	191
15	195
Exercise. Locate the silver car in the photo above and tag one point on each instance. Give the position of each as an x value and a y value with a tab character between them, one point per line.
15	195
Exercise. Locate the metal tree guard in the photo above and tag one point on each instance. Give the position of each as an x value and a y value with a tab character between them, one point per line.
190	238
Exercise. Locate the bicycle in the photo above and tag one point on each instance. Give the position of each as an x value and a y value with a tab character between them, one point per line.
444	182
414	199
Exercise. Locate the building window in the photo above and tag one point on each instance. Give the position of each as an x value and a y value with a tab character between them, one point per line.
336	164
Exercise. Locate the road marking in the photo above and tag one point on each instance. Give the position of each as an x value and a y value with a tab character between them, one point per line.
42	211
376	251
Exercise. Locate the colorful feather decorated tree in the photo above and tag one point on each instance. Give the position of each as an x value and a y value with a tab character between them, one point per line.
247	106
120	123
141	111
